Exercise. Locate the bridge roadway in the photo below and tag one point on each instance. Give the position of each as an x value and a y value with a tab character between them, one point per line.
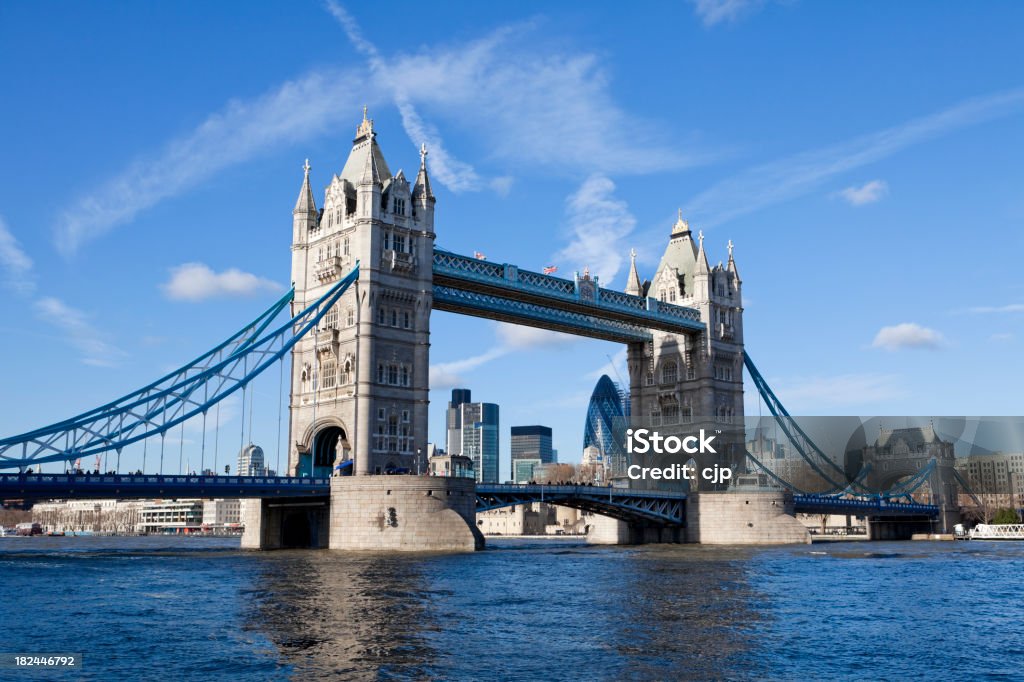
621	503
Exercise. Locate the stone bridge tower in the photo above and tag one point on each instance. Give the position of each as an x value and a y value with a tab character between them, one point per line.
359	386
687	380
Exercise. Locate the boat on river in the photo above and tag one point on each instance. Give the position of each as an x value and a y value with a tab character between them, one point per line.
1000	531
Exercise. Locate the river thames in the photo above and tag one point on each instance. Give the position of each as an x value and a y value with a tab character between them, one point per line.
173	608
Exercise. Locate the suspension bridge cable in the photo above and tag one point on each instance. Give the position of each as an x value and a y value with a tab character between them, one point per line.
145	449
163	438
181	447
216	440
280	407
202	452
162	406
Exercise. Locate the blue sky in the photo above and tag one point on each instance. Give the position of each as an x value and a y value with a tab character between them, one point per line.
865	160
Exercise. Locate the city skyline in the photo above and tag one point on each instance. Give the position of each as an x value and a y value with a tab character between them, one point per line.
155	220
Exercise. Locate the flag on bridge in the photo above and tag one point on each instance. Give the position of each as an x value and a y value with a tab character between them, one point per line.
551	269
479	256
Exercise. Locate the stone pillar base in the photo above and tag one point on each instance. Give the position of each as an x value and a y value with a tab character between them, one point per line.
285	523
404	514
743	518
605	530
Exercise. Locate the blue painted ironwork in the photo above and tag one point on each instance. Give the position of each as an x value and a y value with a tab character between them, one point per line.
468	302
177	397
506	284
30	487
826	504
668	508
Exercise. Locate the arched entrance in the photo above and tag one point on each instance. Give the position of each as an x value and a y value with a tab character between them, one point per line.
330	446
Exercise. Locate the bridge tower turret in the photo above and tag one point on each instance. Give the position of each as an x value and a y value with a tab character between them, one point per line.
677	379
359	388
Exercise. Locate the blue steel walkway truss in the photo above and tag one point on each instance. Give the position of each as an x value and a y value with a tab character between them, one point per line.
619	503
500	291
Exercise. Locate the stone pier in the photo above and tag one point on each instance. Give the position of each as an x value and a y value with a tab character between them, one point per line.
743	518
404	513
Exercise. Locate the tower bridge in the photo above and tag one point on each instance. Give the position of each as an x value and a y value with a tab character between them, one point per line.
366	275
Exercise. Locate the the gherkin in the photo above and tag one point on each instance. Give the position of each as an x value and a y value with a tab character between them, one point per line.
607	415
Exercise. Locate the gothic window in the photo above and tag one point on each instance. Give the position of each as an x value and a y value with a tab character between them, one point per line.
672	295
337	215
331	319
381	414
405	375
381	315
394	317
387	241
687	414
350	317
319	254
670	413
405	416
381	376
393	374
723	372
304	379
400	243
346	247
346	373
406	319
329	374
650	378
669	373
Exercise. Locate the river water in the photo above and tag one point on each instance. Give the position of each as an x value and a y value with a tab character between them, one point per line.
173	608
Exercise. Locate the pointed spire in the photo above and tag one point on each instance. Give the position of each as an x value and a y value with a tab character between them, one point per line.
365	129
422	188
633	286
732	263
305	203
702	259
371	174
681	227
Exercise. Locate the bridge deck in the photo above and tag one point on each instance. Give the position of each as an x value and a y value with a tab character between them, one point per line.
127	486
666	506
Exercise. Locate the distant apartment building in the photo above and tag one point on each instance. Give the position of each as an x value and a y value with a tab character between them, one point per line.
88	516
996	479
531	445
172	516
473	432
222	514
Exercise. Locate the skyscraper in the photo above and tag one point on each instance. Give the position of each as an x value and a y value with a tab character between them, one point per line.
473	433
250	461
530	445
605	414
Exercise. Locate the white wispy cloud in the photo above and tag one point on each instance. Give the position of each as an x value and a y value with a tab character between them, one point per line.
80	332
515	336
509	338
530	101
297	110
868	193
446	375
456	175
1010	308
907	335
712	12
798	175
598	224
812	394
197	282
15	264
1002	337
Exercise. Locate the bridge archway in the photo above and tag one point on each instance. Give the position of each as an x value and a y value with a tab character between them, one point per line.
324	446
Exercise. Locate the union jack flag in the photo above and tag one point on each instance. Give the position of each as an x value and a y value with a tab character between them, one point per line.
479	256
550	269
